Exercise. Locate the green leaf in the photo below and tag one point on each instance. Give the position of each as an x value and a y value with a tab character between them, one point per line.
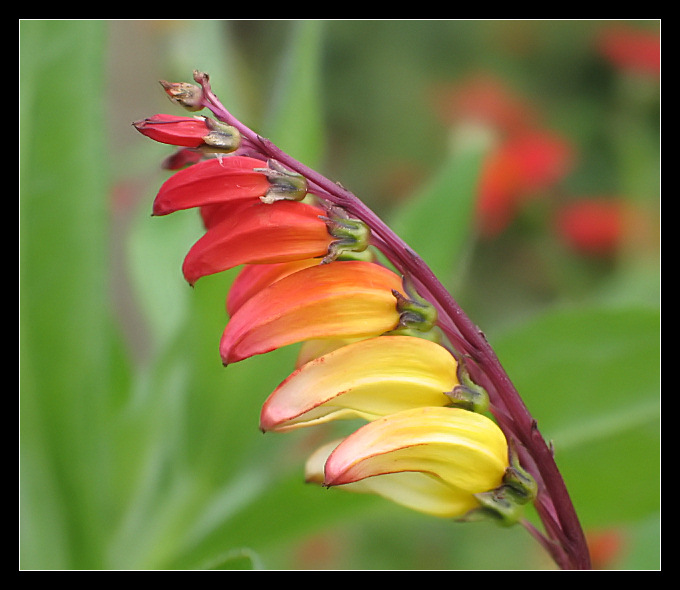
67	340
591	379
437	221
295	121
156	248
236	559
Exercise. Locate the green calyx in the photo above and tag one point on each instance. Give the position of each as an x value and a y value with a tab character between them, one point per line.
221	139
468	395
415	312
352	238
500	505
284	184
520	481
506	503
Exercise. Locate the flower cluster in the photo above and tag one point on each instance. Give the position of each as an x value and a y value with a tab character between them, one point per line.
309	274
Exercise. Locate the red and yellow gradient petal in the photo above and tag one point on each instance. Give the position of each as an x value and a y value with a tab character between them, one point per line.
218	180
343	299
252	278
366	379
464	450
255	233
313	349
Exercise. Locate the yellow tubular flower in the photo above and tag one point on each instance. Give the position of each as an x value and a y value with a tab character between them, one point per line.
365	379
430	459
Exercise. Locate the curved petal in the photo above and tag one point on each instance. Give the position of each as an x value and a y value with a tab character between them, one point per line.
463	449
313	349
174	130
218	180
413	490
254	277
342	299
256	233
366	379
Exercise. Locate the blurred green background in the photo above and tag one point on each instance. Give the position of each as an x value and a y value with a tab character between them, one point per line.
138	450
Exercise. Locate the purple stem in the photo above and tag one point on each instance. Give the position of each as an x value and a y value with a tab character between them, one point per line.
563	538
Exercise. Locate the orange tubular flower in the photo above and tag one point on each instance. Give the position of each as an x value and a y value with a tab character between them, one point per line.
254	277
257	233
344	299
218	180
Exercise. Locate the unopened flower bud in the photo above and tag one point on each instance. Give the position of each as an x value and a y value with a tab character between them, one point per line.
188	96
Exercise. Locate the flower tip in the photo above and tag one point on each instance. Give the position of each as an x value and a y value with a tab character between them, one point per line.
315	479
184	94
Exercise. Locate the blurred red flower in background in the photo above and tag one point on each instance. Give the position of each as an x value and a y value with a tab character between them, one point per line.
631	49
526	158
517	171
593	227
486	100
607	547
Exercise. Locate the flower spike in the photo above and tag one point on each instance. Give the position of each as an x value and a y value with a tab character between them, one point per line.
366	379
342	299
375	342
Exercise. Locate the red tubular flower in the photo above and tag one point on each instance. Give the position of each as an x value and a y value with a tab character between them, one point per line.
343	299
173	130
218	180
255	233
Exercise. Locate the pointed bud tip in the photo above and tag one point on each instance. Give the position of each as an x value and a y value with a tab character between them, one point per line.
184	94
